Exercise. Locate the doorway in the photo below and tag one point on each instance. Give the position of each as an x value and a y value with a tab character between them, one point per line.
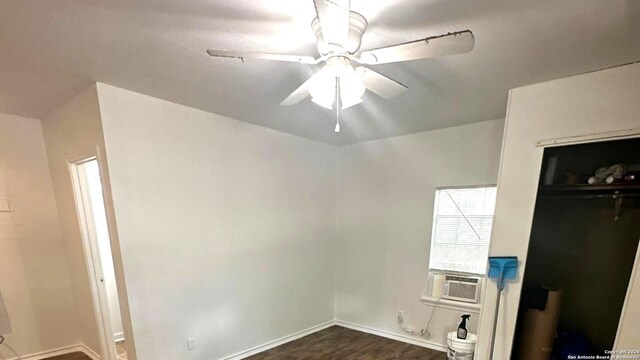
88	191
582	251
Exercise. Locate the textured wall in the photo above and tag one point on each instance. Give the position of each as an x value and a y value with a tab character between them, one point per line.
226	228
596	102
385	199
34	274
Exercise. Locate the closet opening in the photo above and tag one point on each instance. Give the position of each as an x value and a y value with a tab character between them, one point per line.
582	251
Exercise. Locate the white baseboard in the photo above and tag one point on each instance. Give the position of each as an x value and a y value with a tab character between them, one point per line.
278	342
389	335
89	352
258	349
57	352
117	337
406	339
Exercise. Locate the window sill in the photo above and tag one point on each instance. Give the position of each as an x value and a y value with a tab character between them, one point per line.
450	304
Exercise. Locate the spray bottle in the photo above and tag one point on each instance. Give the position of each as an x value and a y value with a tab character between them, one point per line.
462	329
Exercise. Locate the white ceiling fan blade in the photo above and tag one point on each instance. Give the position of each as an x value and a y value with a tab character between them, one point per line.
379	84
299	94
241	55
450	44
334	20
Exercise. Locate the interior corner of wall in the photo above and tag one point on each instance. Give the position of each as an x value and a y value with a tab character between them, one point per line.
99	88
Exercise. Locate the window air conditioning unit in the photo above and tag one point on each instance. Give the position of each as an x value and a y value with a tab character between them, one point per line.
461	288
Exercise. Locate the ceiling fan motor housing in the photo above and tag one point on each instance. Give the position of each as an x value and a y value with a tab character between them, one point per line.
357	26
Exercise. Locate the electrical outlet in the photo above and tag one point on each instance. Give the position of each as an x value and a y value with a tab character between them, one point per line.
191	343
4	205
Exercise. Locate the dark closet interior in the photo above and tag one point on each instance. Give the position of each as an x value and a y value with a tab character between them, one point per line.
582	250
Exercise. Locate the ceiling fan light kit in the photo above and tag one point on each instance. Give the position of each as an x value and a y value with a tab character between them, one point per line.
323	85
338	85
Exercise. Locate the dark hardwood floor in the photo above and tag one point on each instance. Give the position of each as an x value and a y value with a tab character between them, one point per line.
72	356
345	344
334	343
120	348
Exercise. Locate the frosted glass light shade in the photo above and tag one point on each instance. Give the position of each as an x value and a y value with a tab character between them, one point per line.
323	87
351	88
326	103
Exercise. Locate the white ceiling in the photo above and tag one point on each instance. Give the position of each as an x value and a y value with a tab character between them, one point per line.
49	50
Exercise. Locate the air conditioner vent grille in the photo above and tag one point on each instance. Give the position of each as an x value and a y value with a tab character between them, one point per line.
461	288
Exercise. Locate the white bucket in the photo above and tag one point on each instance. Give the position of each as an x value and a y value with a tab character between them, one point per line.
460	349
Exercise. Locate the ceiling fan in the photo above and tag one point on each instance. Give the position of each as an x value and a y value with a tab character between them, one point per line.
339	31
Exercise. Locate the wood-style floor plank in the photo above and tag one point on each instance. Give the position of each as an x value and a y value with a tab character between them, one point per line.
71	356
121	352
338	343
334	343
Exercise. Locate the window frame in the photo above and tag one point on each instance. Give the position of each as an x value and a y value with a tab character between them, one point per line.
433	227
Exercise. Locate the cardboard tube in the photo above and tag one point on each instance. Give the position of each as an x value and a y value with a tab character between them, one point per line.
539	329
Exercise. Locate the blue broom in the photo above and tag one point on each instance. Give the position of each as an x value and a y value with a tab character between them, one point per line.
501	268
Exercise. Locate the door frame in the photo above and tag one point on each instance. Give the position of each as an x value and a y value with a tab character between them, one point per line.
92	257
626	134
627	300
631	133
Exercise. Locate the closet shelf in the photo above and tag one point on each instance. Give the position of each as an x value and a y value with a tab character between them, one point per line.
597	190
617	192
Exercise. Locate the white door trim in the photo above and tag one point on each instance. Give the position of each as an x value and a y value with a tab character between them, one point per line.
583	139
627	302
94	268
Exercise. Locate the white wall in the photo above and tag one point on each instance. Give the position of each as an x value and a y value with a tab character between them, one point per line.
385	198
34	276
70	132
232	233
597	102
226	229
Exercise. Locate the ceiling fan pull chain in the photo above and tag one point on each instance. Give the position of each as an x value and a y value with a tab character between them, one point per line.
337	128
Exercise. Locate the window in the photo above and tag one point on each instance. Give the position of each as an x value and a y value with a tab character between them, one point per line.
462	220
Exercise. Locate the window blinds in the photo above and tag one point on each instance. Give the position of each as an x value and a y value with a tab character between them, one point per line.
462	223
